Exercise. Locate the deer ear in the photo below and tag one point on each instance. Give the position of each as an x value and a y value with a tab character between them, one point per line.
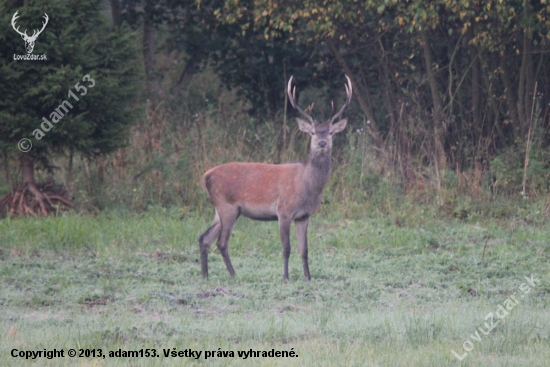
339	126
305	126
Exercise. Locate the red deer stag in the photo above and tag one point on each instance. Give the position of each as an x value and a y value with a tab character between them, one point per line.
284	192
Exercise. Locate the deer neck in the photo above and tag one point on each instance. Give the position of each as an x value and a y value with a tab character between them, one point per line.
317	171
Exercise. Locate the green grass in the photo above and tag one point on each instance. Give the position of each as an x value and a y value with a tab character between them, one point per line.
380	295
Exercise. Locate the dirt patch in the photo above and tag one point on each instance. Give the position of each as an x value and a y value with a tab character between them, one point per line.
219	291
91	303
157	255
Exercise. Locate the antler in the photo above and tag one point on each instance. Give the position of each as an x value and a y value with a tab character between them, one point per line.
292	97
43	26
349	91
13	24
24	34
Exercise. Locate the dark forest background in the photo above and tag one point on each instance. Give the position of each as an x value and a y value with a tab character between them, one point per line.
450	109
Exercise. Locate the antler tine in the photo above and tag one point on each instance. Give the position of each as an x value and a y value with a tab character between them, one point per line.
13	19
349	93
289	92
43	24
292	97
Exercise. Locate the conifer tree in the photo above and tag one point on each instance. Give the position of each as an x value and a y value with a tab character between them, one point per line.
73	97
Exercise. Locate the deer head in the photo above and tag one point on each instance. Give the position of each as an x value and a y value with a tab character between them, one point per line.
321	133
29	40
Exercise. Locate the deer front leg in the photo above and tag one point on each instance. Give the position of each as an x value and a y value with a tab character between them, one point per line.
301	234
284	231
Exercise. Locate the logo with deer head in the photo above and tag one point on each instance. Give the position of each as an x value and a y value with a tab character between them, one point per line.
29	40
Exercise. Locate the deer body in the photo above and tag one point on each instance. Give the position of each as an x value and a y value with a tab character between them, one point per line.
283	192
293	189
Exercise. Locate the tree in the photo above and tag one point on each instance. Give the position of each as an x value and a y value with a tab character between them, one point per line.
465	72
77	101
241	54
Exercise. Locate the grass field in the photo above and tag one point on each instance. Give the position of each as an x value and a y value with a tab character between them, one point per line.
380	295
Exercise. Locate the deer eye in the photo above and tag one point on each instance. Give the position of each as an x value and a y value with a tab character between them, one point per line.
312	133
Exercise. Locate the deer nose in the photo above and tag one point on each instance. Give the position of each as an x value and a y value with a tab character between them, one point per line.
322	144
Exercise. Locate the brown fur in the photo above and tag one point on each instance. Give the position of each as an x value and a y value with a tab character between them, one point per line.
252	185
283	192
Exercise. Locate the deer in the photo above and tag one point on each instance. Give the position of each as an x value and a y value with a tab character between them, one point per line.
273	192
29	40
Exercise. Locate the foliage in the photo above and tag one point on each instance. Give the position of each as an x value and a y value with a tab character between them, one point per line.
466	72
457	92
77	41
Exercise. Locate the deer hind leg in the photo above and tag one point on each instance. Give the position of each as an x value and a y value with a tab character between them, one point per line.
228	217
205	240
301	234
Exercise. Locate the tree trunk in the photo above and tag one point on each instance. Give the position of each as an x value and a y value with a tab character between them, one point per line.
526	83
511	99
476	91
27	170
492	86
365	106
438	120
389	100
115	12
186	73
149	46
7	170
